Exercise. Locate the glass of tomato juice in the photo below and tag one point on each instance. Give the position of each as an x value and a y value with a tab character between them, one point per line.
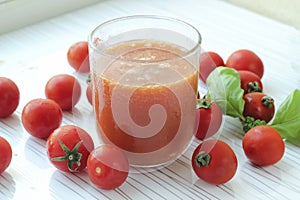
144	72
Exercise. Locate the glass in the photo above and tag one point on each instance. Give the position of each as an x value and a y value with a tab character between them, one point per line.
144	71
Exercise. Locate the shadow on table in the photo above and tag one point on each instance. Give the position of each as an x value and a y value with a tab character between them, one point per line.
35	152
7	186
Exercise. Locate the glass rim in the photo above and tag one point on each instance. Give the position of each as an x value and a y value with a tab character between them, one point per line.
179	21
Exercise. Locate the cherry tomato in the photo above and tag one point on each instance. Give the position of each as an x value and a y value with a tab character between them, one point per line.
208	62
250	82
259	106
263	145
40	117
107	167
64	89
244	59
68	148
9	97
5	154
89	93
78	56
208	119
214	162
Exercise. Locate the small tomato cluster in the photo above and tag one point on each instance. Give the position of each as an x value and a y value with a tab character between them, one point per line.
9	101
234	89
69	148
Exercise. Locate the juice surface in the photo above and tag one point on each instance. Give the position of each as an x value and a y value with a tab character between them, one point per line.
144	101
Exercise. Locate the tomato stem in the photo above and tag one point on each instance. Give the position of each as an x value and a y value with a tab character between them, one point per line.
71	156
202	159
98	170
254	87
267	101
203	103
88	80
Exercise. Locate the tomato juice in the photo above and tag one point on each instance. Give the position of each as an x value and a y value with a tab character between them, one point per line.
144	100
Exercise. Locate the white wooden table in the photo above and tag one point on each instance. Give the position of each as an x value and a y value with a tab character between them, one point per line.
31	55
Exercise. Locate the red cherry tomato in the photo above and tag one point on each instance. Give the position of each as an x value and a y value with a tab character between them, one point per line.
78	56
263	145
214	162
40	117
259	106
208	62
107	167
89	93
5	154
69	147
64	89
9	97
208	119
250	82
246	60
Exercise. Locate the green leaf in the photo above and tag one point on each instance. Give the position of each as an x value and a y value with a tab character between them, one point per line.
224	86
287	118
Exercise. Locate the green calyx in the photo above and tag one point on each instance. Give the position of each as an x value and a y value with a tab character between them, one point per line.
203	103
71	156
254	87
250	122
89	79
202	159
267	101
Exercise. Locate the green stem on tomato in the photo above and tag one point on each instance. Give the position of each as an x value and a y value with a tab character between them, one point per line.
202	159
254	87
71	156
203	103
267	101
88	80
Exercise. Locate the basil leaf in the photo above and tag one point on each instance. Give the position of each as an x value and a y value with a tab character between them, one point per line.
287	118
224	87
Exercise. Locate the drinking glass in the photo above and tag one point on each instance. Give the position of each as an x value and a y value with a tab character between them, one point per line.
144	72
